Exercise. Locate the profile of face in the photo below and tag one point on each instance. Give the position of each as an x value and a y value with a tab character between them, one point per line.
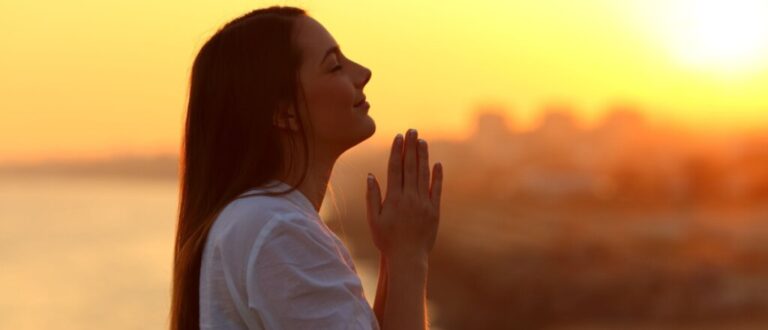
333	85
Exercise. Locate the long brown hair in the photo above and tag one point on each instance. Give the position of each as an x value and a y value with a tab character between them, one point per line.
239	78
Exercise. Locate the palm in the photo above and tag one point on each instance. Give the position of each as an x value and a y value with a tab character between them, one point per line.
406	221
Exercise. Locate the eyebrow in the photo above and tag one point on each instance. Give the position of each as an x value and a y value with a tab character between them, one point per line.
334	49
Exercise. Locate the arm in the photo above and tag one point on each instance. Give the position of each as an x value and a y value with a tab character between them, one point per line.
381	292
406	294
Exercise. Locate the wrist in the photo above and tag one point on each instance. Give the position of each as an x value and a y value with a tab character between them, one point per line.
407	262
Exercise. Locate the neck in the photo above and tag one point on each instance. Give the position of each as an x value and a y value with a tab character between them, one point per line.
315	183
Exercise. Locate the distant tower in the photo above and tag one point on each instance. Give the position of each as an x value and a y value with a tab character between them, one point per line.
558	118
491	124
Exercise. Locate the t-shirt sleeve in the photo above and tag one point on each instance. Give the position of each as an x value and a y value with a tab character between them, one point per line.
298	280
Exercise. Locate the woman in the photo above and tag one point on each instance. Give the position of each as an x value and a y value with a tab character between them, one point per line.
273	103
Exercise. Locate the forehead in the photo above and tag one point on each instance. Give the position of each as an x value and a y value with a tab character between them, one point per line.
312	38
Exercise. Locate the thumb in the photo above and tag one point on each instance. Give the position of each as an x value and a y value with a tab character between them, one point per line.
373	198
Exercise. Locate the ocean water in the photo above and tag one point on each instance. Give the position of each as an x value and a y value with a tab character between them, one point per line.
91	253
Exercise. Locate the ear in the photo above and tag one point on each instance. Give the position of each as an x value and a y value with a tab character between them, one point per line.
285	118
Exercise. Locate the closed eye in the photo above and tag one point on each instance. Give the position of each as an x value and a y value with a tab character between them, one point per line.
336	68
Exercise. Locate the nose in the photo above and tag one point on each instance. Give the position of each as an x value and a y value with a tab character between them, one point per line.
366	77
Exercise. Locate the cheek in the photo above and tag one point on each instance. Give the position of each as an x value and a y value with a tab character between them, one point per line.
330	110
334	95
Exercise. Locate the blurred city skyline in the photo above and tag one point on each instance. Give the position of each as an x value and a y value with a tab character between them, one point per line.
560	153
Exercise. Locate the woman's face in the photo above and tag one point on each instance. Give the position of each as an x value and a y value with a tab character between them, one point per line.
332	84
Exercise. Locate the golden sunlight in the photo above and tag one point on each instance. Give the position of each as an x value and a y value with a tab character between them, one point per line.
729	35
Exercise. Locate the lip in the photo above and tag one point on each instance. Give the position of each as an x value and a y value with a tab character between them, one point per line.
359	104
364	106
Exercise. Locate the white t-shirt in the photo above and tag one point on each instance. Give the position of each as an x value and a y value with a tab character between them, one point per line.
271	263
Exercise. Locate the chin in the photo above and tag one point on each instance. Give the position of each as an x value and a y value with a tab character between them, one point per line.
371	128
366	131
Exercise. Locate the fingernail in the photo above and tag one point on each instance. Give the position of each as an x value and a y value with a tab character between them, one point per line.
412	131
399	139
370	178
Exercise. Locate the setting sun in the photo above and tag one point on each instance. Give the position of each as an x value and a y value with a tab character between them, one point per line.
718	34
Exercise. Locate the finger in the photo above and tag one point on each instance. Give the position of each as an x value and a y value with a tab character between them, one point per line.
437	185
373	198
395	171
410	163
423	168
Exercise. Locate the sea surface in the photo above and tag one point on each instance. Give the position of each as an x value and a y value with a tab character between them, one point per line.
91	253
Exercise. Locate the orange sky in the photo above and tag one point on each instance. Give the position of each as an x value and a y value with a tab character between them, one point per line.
85	78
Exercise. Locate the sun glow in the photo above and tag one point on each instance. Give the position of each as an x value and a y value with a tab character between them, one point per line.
94	81
718	34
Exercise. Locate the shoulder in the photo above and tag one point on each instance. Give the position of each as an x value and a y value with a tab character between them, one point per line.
244	224
293	238
258	207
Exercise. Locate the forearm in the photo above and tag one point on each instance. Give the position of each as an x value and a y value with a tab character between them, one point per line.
406	295
381	292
